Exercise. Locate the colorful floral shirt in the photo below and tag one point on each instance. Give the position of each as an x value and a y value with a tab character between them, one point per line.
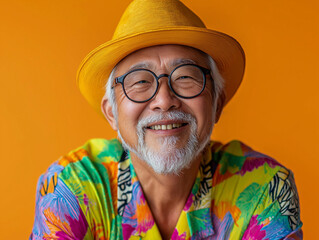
94	193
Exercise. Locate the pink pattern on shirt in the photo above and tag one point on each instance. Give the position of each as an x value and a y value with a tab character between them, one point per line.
189	202
175	235
253	231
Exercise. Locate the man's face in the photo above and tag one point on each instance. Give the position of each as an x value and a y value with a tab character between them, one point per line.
191	120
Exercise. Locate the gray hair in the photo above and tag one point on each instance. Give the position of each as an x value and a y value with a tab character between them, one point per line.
218	85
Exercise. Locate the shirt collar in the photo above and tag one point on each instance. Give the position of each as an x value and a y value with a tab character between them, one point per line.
195	221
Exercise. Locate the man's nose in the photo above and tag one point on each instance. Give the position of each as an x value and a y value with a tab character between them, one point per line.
164	99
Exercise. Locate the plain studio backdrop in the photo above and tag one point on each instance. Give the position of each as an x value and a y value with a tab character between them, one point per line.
43	115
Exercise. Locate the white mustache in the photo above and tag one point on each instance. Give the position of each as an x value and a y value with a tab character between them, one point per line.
174	116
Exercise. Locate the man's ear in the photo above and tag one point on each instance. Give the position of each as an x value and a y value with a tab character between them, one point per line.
220	106
108	113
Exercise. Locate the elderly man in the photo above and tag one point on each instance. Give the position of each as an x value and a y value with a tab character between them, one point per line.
168	80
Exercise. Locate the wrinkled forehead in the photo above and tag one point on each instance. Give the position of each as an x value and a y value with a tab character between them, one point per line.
162	56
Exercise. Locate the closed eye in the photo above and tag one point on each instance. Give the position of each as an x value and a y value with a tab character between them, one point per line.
142	82
184	77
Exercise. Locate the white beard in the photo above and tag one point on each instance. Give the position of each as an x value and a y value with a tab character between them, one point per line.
168	158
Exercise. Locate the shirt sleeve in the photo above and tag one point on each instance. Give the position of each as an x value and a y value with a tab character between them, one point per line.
57	214
277	215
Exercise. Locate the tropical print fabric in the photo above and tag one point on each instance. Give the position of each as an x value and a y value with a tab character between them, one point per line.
94	193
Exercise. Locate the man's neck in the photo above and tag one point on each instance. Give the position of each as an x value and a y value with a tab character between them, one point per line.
166	194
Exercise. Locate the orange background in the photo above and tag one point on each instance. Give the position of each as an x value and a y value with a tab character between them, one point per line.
43	114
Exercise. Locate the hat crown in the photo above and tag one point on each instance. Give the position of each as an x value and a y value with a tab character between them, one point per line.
147	15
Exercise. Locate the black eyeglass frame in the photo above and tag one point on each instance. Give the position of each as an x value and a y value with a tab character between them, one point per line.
121	80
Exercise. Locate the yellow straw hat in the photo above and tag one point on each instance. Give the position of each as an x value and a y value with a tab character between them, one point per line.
148	23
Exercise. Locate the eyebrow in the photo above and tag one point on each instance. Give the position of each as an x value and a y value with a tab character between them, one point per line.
181	61
174	63
144	65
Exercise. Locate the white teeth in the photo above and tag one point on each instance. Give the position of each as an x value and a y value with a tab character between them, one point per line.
166	127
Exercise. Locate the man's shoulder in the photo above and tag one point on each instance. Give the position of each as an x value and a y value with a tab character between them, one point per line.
256	188
87	162
238	160
68	193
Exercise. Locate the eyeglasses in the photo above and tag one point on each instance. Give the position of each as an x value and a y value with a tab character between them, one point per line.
185	81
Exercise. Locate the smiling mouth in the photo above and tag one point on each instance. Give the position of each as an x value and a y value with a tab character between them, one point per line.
166	126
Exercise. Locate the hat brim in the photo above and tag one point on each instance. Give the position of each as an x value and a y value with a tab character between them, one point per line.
98	64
